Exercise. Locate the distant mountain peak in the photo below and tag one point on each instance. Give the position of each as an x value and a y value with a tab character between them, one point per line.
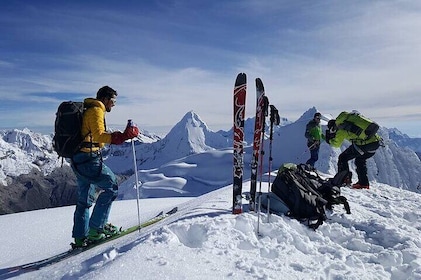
192	135
308	115
187	124
194	120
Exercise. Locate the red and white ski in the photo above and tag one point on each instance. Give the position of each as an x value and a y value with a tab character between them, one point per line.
239	114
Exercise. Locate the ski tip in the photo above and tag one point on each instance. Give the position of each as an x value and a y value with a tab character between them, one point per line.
172	211
259	85
266	100
241	79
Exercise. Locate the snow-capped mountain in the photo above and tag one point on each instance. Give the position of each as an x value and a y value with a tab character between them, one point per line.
189	141
392	164
198	135
189	136
22	151
403	140
32	176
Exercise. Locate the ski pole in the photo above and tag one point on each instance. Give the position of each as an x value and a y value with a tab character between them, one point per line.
307	149
274	119
136	177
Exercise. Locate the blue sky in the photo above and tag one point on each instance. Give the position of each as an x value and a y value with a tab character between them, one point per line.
166	58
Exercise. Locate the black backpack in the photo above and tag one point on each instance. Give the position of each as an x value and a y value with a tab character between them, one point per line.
306	194
67	129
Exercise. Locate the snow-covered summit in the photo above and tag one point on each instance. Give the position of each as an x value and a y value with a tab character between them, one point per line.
24	150
309	114
192	135
404	140
189	136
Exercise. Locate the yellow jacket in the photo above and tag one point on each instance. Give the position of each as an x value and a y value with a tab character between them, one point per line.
93	125
342	135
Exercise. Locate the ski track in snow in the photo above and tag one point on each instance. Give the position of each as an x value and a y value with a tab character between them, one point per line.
203	240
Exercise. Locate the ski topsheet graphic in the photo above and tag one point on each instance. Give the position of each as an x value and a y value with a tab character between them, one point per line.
238	127
259	132
261	108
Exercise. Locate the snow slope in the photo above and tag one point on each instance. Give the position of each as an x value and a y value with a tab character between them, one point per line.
379	240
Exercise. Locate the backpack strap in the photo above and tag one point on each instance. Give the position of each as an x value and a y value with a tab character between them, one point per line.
344	201
293	178
318	223
320	201
89	145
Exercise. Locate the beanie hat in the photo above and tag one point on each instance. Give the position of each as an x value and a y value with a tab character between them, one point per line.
106	92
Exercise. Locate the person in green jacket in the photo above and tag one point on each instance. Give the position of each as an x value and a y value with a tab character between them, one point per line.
361	132
314	135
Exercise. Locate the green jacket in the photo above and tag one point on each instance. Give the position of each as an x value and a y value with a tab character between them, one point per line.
343	134
314	131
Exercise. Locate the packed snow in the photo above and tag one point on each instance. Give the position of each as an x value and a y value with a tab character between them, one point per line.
378	240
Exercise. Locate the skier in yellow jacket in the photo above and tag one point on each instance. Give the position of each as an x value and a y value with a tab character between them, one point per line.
361	132
90	170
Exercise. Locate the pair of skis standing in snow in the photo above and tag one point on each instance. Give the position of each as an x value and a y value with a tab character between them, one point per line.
262	110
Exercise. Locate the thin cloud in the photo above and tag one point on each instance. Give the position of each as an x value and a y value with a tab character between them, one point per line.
165	60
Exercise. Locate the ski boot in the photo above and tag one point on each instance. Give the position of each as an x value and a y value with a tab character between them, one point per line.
95	235
79	243
111	230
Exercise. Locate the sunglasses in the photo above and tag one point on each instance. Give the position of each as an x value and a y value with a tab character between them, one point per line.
113	100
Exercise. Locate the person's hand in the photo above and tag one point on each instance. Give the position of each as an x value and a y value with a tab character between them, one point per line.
119	137
131	132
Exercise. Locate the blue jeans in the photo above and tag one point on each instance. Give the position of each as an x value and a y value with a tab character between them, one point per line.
314	156
90	172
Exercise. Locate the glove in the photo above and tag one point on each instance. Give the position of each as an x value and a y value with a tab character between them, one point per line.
118	137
